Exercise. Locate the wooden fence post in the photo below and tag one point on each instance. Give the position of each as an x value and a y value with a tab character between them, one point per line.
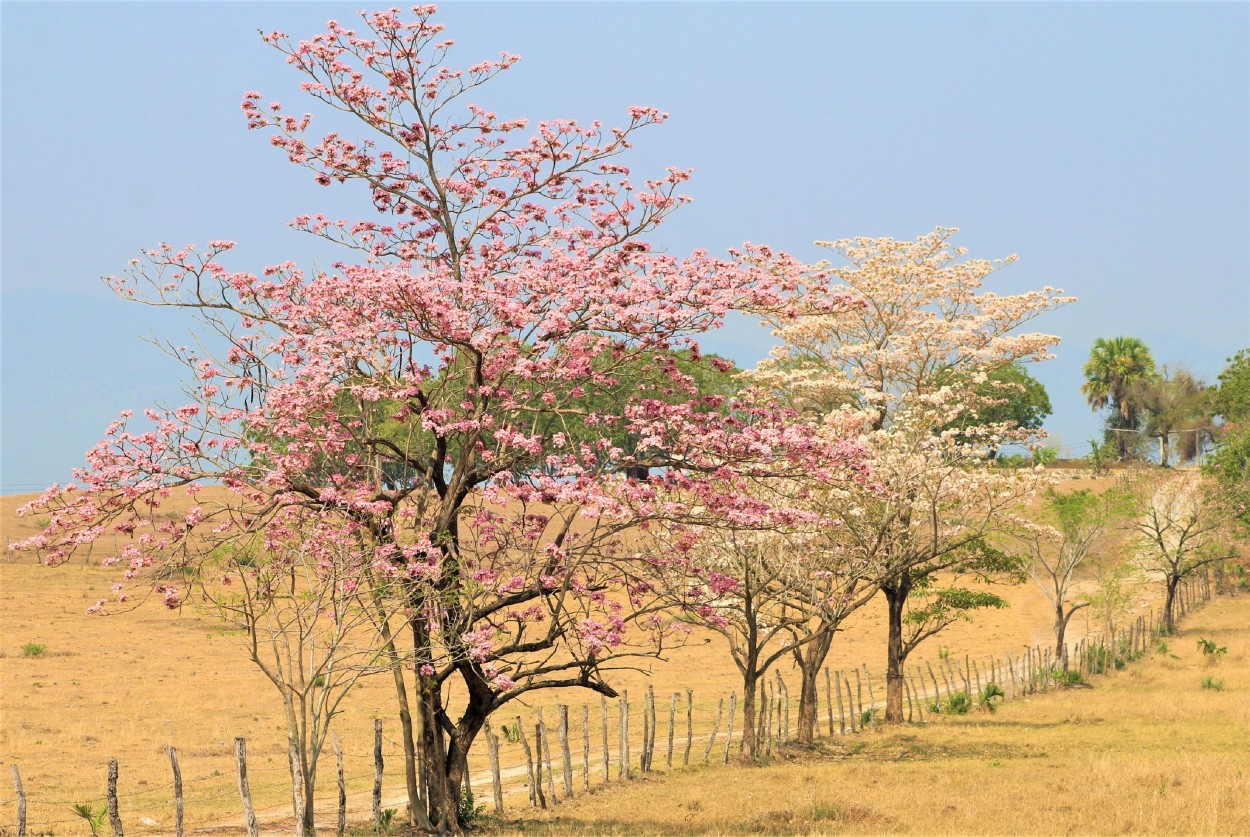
341	826
829	700
607	753
623	767
538	763
850	703
729	729
544	755
672	723
496	781
872	698
178	805
21	801
115	818
586	747
711	742
529	762
689	725
240	753
564	751
646	733
651	740
785	702
917	698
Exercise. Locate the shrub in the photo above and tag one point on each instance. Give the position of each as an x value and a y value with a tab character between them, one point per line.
1065	678
989	694
1211	683
33	649
1210	650
957	703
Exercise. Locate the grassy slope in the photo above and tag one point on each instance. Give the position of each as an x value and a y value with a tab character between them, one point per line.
1147	750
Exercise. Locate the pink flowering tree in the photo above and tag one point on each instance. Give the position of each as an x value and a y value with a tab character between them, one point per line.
449	403
771	582
912	360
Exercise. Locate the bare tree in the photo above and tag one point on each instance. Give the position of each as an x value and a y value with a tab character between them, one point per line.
1071	526
1180	527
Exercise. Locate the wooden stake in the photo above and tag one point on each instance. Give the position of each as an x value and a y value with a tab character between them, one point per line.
566	757
544	755
529	763
115	817
829	700
496	781
607	760
711	742
937	693
672	723
689	725
651	740
859	695
872	699
729	729
623	769
837	679
21	801
586	747
850	703
240	753
178	804
539	744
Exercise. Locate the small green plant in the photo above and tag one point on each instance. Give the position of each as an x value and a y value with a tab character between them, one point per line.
386	824
867	717
511	734
989	694
94	818
944	653
319	681
43	522
33	649
467	810
1065	678
1211	683
1210	650
957	703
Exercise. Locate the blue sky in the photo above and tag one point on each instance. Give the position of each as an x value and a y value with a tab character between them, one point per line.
1107	144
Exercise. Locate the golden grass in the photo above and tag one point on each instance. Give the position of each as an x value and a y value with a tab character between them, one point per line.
124	686
1147	750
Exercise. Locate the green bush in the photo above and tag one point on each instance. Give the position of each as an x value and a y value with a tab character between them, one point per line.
957	703
989	694
1211	683
33	649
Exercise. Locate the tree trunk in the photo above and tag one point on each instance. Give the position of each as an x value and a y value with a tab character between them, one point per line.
1169	614
806	733
895	591
750	743
810	658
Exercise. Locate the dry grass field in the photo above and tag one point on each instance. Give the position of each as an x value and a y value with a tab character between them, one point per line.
124	686
1146	750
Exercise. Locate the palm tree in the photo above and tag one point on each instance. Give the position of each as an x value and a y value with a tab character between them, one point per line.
1115	366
